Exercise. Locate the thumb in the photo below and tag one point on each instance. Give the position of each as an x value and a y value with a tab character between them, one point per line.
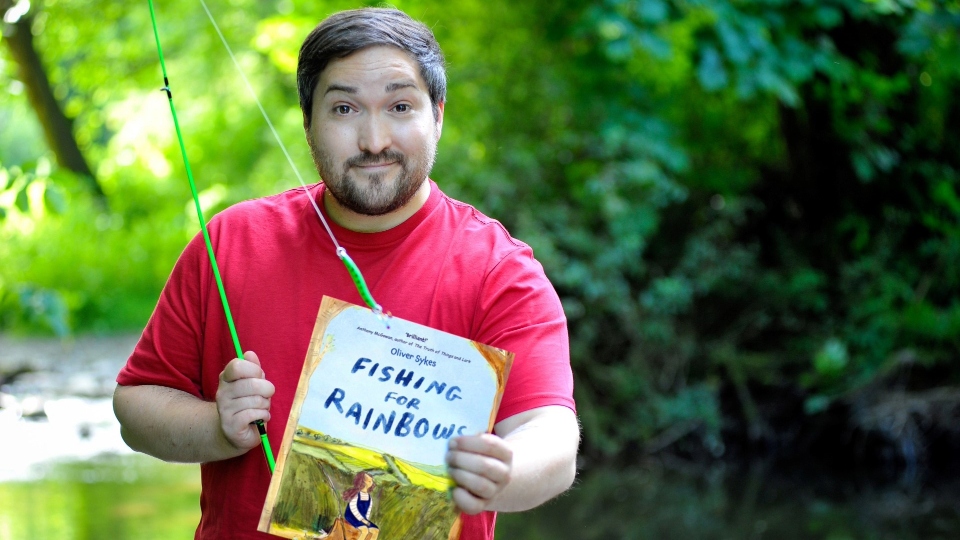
251	356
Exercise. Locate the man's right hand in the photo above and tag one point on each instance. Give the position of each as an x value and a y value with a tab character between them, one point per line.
242	398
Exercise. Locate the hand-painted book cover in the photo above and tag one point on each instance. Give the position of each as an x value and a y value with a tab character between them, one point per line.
363	452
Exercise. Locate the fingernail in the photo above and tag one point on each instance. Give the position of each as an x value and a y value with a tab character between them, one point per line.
453	444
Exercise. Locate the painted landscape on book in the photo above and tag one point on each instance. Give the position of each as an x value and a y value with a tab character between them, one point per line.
363	452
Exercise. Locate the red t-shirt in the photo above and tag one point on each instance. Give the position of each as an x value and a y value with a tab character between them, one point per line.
448	267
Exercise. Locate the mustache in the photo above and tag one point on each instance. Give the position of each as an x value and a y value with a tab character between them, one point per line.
366	158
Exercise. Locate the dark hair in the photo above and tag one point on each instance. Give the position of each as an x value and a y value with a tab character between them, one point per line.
346	32
357	485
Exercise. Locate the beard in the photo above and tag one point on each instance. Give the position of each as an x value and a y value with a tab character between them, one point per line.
378	195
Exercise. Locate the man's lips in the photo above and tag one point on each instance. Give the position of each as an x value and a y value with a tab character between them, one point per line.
376	166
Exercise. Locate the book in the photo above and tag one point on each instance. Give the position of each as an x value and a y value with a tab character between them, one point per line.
363	453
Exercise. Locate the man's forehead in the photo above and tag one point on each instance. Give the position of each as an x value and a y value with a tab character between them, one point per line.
378	68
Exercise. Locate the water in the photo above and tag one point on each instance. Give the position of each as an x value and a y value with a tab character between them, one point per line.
108	497
652	501
135	497
55	402
65	474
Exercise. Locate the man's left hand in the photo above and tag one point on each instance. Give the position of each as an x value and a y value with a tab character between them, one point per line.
481	467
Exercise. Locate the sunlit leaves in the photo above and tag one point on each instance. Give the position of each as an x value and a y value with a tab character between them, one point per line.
54	199
18	183
280	38
753	47
22	202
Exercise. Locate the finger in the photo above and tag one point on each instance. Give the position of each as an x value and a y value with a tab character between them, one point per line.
247	380
478	486
485	444
242	435
254	387
247	367
246	387
247	402
467	502
240	421
241	369
229	406
491	468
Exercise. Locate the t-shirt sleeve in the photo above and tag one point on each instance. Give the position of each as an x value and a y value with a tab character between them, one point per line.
520	312
169	351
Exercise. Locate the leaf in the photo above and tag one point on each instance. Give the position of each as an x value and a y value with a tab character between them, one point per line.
711	73
612	29
944	193
47	307
653	11
655	45
737	50
279	38
816	404
53	199
3	213
862	166
828	17
832	358
23	202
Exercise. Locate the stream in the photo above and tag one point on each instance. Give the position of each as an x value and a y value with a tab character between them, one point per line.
65	473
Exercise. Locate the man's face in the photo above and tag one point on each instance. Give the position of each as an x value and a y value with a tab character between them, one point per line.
373	134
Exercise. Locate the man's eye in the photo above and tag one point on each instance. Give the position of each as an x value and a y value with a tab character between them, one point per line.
403	107
342	109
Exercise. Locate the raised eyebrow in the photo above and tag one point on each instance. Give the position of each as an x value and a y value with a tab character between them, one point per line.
353	90
394	86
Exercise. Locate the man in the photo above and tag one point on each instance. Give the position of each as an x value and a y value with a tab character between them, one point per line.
372	89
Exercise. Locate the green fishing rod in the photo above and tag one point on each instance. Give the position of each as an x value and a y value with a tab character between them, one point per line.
261	428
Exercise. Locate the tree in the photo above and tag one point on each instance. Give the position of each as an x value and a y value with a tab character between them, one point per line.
57	128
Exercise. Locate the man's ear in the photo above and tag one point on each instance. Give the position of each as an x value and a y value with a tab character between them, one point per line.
440	118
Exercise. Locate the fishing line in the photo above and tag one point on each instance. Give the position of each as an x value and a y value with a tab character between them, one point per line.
352	268
261	429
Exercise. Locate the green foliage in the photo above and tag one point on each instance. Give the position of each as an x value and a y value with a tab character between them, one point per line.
725	194
68	264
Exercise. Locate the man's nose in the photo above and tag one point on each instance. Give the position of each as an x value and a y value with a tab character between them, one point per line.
374	134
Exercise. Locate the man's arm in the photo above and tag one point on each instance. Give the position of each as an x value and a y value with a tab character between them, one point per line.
173	425
530	460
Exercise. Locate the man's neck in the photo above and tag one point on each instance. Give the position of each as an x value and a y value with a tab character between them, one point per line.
353	221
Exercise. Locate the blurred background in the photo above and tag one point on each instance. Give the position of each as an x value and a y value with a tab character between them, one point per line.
751	211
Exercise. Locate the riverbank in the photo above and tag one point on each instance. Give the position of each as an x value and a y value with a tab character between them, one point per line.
55	401
93	354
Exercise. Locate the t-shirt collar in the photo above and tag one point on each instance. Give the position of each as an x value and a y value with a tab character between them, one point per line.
360	241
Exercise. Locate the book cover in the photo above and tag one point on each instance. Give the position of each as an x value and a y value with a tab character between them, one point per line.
363	452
